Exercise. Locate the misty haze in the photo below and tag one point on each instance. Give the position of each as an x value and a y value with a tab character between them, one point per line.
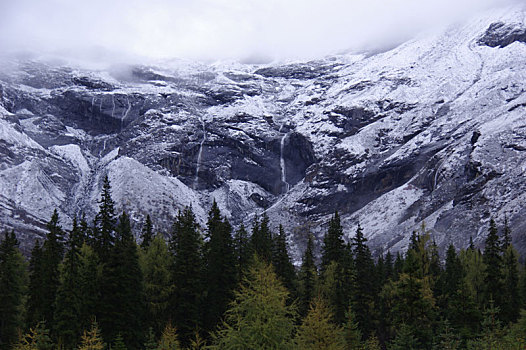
232	174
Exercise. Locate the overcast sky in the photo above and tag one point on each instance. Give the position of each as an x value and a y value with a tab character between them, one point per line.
221	29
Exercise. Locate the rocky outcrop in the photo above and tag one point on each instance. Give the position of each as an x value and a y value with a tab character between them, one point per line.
432	130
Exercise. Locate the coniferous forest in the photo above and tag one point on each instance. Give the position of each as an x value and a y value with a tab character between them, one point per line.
94	287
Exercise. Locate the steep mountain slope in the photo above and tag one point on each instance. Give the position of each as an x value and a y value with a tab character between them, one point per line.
433	130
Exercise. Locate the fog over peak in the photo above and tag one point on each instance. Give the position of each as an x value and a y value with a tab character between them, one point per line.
253	31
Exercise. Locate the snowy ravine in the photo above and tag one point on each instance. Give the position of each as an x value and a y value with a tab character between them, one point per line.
433	130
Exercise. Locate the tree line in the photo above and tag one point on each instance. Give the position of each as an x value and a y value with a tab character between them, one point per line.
95	287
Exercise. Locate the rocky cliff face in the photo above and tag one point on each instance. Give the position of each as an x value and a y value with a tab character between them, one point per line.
433	130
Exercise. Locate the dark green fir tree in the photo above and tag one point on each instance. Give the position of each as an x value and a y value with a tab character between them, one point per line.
307	278
493	260
147	232
261	239
220	269
187	273
105	221
68	326
282	264
242	251
121	308
13	287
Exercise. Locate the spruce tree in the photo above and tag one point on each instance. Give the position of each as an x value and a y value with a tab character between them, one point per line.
388	266
259	317
318	330
121	308
36	295
282	263
405	339
156	264
364	284
511	302
89	278
474	274
307	277
493	261
147	232
118	343
67	302
261	239
13	286
220	274
104	228
242	251
187	273
506	235
150	342
353	336
52	254
333	244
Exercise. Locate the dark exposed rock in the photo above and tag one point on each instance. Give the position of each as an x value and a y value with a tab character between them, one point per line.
500	34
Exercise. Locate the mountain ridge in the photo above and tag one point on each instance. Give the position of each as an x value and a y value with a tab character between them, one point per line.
429	131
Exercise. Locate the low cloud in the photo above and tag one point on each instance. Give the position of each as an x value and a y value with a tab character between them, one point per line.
221	29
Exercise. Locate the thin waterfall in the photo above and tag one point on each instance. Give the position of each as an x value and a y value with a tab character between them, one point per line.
125	113
200	154
282	163
113	102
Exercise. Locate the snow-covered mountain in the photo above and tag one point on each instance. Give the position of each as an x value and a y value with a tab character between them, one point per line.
433	130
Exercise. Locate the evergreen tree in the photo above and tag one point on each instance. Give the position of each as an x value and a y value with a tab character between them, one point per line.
92	339
242	251
447	340
333	244
156	263
67	302
121	306
52	254
398	266
450	283
187	273
169	339
261	239
493	261
364	284
150	343
511	302
259	317
13	286
105	221
410	300
506	235
88	289
353	336
220	267
388	266
474	271
307	277
282	263
317	330
405	339
36	339
36	295
336	269
118	344
147	232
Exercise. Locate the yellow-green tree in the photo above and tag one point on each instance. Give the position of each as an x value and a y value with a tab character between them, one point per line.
318	330
92	339
259	317
169	339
